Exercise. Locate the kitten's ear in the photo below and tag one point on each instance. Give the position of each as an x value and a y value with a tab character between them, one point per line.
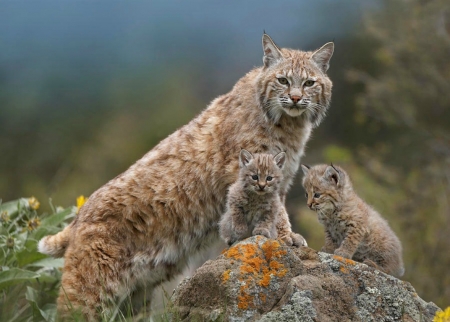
323	55
280	159
305	169
332	174
271	51
245	157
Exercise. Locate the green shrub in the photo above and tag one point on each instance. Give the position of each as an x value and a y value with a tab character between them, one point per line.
29	280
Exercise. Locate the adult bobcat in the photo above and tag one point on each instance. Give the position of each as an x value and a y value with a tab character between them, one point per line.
141	227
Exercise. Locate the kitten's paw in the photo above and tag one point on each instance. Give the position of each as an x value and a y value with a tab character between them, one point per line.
343	253
261	231
230	240
328	250
298	240
293	239
371	263
240	231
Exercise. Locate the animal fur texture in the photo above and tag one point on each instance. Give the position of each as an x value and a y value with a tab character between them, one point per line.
353	229
141	227
253	202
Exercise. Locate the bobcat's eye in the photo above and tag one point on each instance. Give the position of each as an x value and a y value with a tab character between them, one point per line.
254	177
306	195
309	83
283	81
317	195
269	178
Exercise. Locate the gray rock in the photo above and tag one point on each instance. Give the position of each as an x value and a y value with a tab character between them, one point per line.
259	279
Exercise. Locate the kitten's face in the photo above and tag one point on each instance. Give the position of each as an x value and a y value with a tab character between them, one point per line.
261	173
323	188
294	83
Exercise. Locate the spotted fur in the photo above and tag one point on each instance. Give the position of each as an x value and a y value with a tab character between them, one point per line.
352	228
140	228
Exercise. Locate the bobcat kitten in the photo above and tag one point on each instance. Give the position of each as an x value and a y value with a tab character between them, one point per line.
352	228
141	228
254	203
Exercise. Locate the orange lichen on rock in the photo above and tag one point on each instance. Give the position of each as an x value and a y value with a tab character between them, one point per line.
262	297
344	260
270	249
344	270
257	266
245	300
252	265
233	252
226	275
241	252
266	278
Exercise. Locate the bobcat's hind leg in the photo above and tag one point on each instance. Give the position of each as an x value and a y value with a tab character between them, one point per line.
94	282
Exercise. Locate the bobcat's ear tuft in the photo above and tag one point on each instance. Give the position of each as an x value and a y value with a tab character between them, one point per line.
280	159
244	158
271	51
323	55
333	175
305	169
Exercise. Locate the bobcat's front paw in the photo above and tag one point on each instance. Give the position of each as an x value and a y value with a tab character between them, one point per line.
261	231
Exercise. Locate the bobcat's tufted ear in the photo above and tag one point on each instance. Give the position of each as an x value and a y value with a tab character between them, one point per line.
271	51
280	159
323	55
333	175
305	169
244	158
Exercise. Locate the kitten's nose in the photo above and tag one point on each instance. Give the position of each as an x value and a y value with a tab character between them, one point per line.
295	99
309	204
261	186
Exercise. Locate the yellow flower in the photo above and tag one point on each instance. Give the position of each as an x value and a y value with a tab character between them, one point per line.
4	217
33	223
34	203
80	202
442	316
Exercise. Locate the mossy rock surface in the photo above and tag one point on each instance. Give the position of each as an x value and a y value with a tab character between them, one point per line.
260	279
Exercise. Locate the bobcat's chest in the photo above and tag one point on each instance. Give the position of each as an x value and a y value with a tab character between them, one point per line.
293	142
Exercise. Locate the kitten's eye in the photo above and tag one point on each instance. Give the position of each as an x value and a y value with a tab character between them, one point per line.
269	178
283	81
309	83
317	195
254	177
306	195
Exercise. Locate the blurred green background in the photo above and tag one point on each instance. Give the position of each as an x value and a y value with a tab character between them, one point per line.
87	88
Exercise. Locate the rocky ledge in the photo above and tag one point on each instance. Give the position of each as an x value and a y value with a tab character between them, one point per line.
260	279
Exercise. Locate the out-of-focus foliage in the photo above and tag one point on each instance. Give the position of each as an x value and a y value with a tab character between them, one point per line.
408	99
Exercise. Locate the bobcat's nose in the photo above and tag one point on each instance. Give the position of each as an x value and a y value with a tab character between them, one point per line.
261	186
310	204
295	98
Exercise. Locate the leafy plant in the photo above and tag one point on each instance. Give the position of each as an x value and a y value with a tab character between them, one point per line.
29	280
